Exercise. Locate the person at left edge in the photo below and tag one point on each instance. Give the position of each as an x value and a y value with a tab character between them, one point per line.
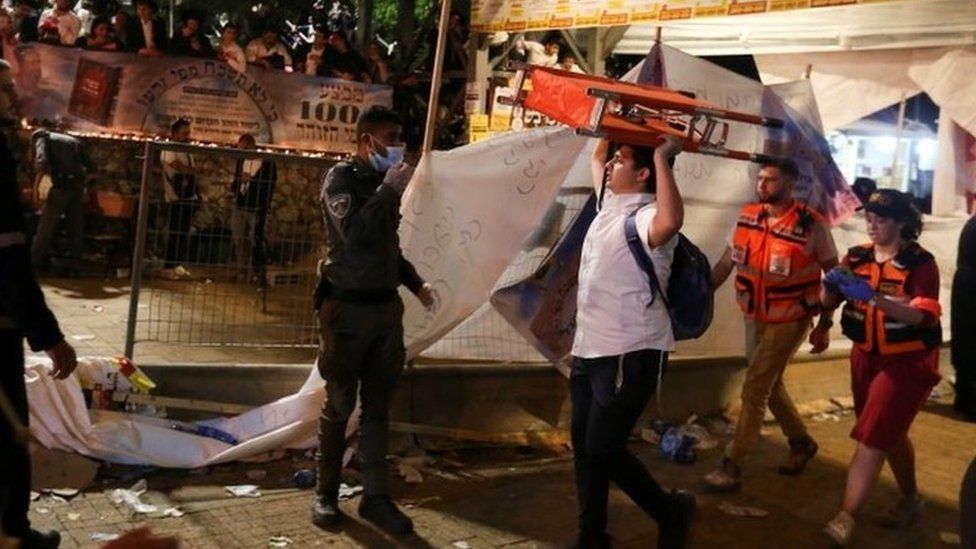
23	313
360	314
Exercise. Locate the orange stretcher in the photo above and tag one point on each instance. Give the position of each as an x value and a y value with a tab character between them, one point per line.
630	113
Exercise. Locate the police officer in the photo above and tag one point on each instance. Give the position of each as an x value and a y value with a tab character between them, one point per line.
360	314
66	160
22	313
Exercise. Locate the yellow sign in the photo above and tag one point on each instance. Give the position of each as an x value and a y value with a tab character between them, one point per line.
538	15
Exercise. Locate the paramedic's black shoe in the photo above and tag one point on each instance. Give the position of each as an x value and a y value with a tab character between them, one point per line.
325	512
36	539
381	511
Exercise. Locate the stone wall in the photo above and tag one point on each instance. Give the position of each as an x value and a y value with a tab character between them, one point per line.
294	228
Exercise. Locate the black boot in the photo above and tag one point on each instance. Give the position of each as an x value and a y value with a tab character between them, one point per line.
381	511
36	539
674	528
325	512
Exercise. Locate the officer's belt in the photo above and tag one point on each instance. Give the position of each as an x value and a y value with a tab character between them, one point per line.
348	295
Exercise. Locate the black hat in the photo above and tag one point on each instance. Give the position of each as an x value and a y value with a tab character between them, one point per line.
889	203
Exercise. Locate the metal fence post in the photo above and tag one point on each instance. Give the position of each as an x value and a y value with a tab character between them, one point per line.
139	251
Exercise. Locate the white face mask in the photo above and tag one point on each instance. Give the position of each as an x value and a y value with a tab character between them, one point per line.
394	155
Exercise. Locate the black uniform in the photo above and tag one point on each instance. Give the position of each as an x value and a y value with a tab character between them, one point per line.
67	161
962	324
360	314
22	313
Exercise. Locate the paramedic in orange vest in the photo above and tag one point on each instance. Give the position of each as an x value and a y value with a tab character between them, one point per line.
779	248
892	317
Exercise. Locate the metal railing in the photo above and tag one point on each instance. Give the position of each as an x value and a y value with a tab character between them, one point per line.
216	272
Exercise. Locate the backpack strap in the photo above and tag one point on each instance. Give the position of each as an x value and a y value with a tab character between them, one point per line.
644	261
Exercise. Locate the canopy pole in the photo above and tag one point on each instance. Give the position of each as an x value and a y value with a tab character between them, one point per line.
901	125
807	72
435	82
658	31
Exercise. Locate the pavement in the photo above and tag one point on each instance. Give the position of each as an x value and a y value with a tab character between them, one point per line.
521	498
481	497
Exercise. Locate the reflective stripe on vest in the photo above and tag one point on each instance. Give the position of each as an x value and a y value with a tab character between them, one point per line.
867	326
776	279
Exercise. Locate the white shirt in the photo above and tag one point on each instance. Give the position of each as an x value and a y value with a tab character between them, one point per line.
249	170
69	26
147	33
536	54
612	316
167	158
256	51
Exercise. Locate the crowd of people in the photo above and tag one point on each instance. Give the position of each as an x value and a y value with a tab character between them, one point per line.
143	32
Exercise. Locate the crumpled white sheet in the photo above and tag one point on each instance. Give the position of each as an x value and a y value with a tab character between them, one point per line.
59	420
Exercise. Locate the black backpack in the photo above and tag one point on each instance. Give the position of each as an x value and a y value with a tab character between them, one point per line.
690	299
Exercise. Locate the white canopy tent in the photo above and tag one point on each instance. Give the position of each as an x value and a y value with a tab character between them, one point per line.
860	59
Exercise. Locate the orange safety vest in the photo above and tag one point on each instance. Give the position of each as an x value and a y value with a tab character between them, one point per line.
777	279
866	325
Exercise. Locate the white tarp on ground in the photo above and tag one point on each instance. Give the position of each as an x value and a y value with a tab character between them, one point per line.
60	420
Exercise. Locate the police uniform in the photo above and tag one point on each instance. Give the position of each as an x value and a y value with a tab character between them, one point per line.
67	161
360	315
22	313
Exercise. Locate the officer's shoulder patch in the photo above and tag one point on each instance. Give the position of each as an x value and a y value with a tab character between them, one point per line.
339	205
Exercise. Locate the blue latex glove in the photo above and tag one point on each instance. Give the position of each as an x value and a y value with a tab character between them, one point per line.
858	290
834	278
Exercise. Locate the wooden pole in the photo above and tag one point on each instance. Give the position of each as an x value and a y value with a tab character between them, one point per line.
435	81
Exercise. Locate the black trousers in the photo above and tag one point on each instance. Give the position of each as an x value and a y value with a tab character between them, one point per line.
360	353
14	460
178	240
609	394
65	201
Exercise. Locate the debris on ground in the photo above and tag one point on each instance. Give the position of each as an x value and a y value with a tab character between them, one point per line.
650	436
347	492
414	503
131	498
67	493
843	402
279	541
409	473
742	510
304	478
74	516
83	337
244	491
825	416
950	538
173	512
102	537
677	446
461	544
35	495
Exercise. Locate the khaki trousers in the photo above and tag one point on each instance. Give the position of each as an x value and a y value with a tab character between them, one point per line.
770	349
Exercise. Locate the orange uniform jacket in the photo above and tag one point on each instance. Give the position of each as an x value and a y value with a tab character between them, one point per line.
867	326
777	275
